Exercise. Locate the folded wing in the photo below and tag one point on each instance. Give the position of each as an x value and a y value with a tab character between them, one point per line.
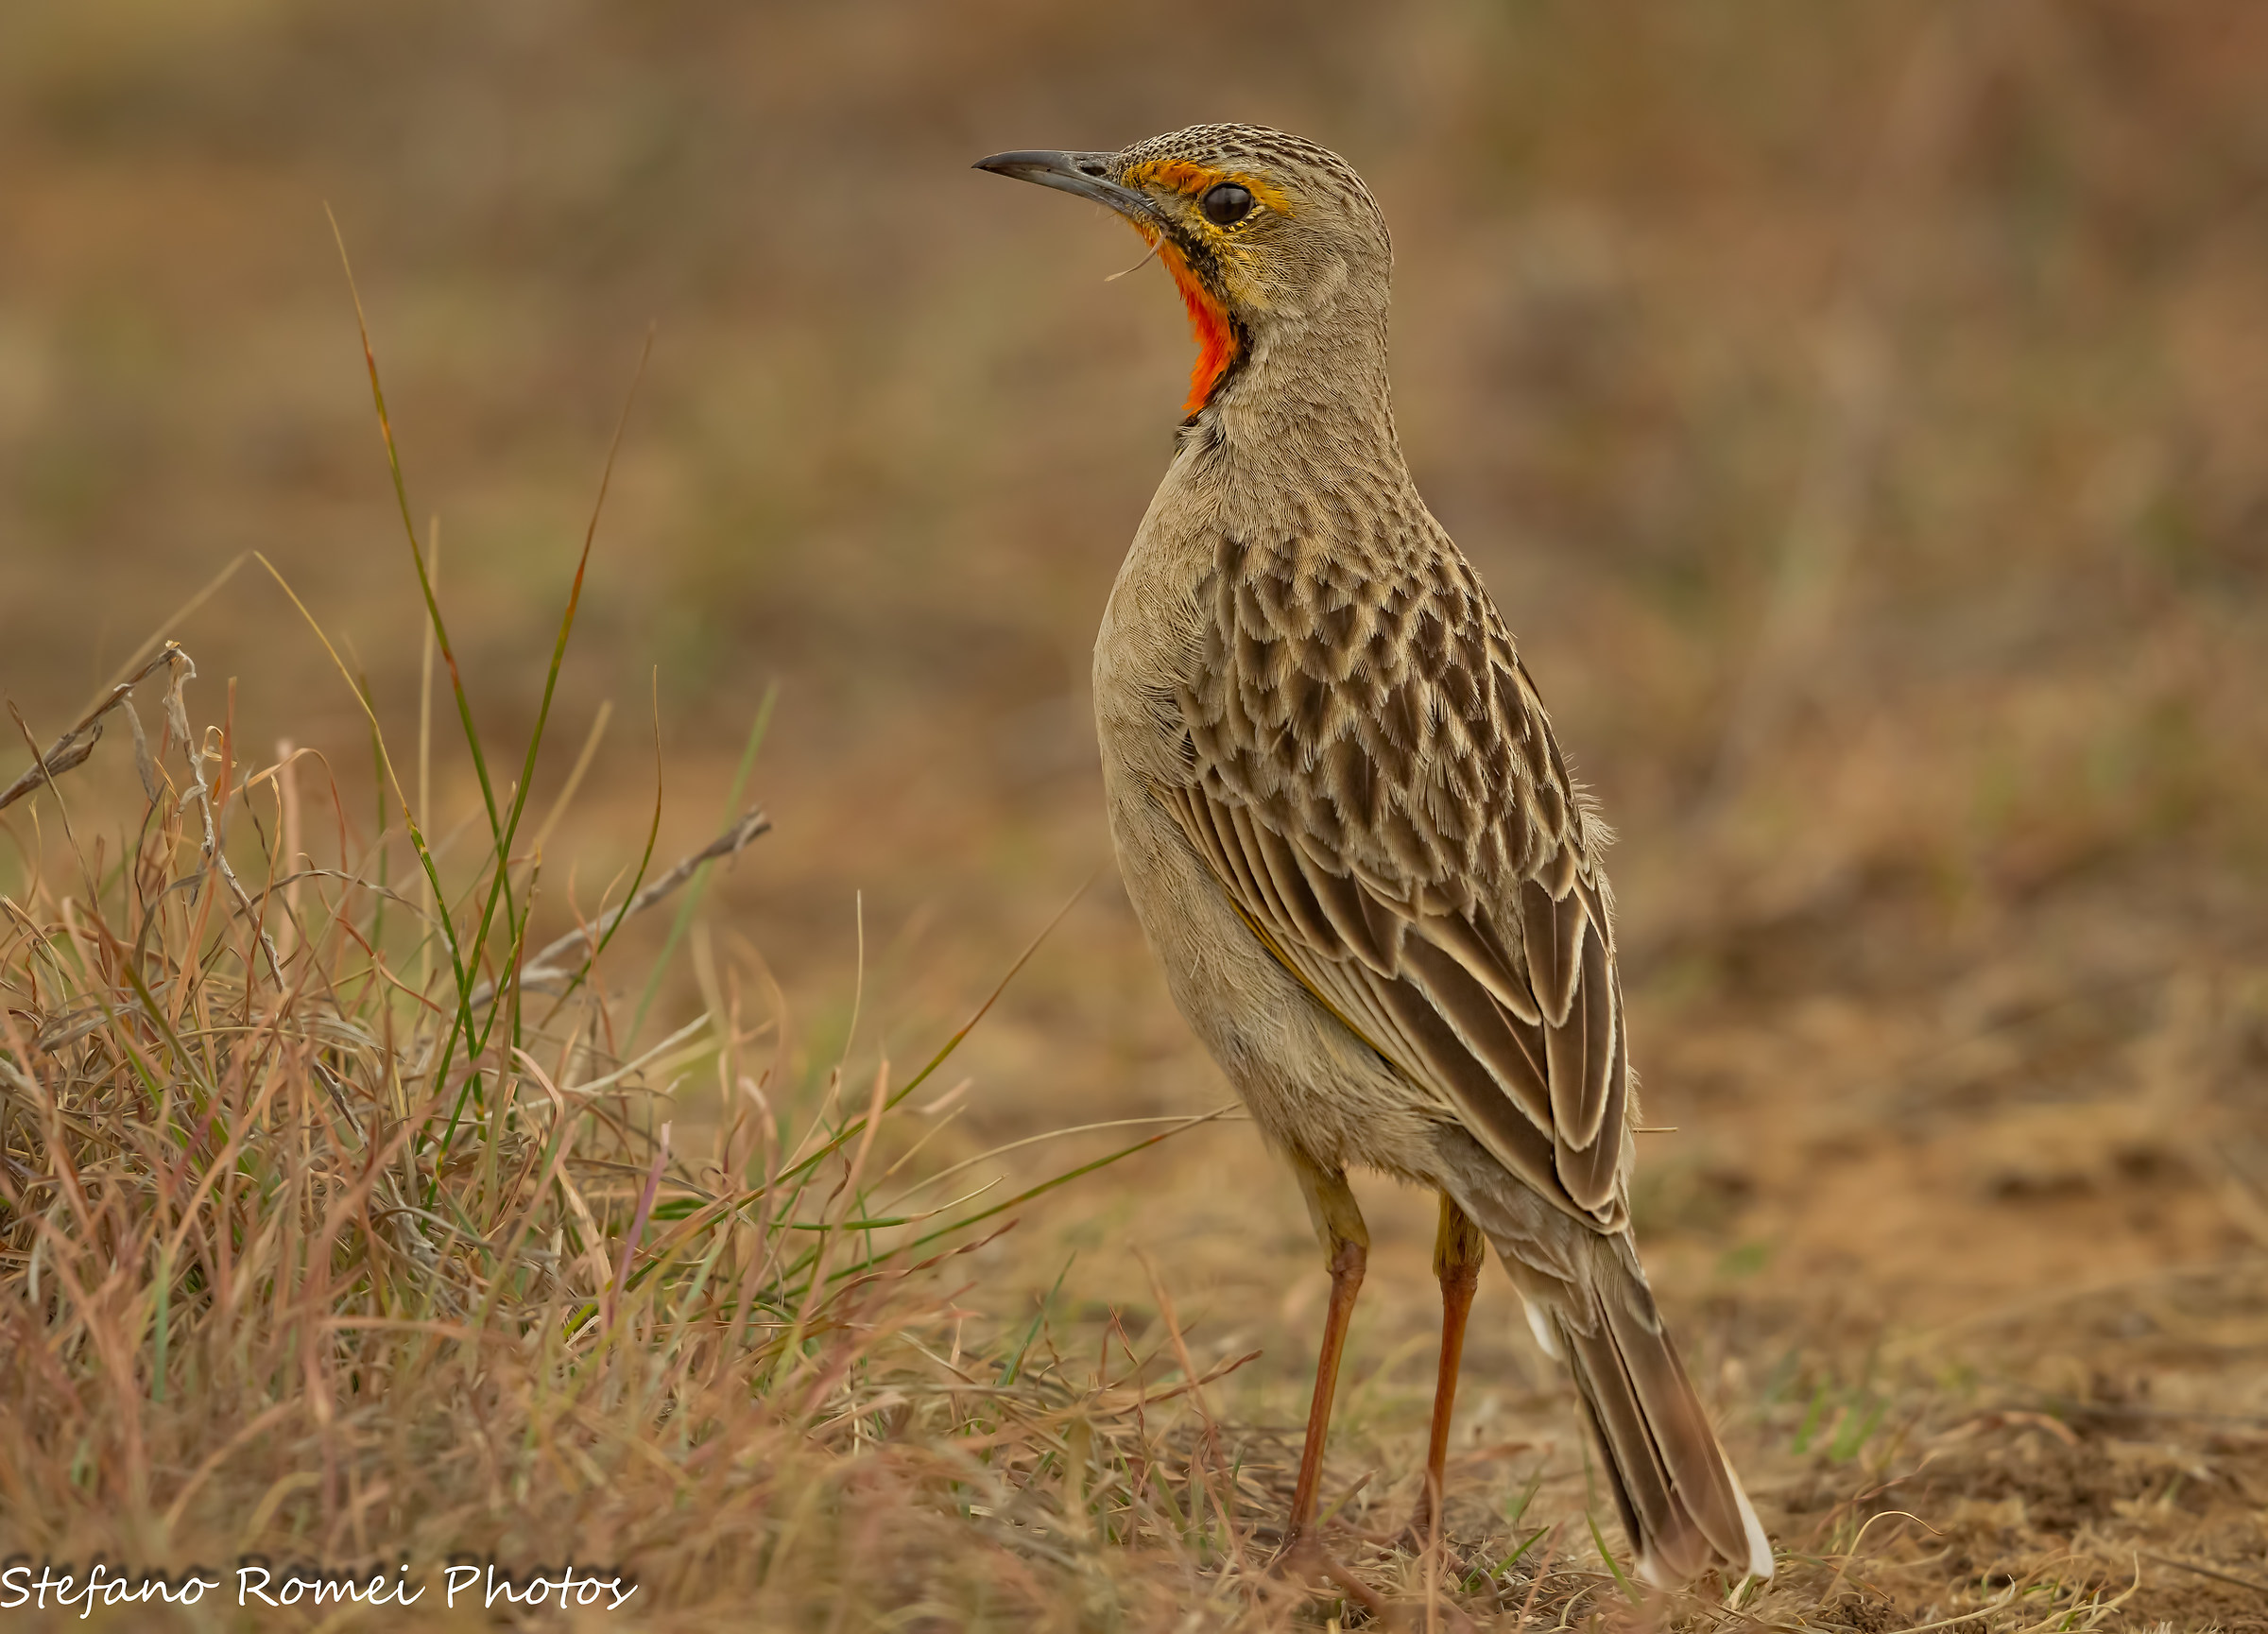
1373	782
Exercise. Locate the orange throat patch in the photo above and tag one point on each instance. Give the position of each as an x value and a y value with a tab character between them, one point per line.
1218	339
1207	323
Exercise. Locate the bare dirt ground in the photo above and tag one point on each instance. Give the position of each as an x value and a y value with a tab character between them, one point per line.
1855	414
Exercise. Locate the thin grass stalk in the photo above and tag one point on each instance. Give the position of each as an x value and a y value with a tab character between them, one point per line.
692	901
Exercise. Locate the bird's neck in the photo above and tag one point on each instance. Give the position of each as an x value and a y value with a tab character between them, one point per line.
1311	395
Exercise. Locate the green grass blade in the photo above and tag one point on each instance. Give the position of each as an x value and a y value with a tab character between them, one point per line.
694	886
502	885
1607	1556
1015	1364
1039	1191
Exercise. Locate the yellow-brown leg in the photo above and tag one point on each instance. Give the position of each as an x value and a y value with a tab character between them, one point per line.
1459	1250
1346	1246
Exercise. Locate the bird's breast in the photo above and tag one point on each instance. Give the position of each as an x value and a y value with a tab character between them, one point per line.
1152	640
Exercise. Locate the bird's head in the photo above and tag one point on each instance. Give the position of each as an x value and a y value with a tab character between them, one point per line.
1268	237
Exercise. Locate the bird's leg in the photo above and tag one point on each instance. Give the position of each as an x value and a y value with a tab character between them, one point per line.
1346	1246
1459	1250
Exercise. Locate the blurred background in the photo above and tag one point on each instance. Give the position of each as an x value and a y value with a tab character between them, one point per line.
1855	410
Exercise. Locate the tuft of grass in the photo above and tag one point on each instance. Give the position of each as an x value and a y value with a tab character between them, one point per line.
346	1226
302	1259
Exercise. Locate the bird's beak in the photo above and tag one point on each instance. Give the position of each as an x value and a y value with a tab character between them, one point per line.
1087	175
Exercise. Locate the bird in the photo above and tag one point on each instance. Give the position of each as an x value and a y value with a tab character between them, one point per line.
1376	889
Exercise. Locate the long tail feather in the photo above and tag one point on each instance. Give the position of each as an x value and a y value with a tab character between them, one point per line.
1680	1504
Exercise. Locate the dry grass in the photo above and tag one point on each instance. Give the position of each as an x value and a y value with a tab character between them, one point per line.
314	1258
340	1228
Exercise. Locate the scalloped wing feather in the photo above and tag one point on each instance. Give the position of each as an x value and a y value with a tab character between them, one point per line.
1374	783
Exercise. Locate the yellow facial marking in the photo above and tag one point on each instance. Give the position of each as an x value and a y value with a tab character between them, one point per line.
1178	175
1228	259
1193	180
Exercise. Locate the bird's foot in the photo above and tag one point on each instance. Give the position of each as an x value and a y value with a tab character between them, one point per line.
1300	1555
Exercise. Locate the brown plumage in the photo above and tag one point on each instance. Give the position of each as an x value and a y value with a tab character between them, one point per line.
1374	885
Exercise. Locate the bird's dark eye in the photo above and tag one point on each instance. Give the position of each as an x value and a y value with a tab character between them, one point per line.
1227	204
